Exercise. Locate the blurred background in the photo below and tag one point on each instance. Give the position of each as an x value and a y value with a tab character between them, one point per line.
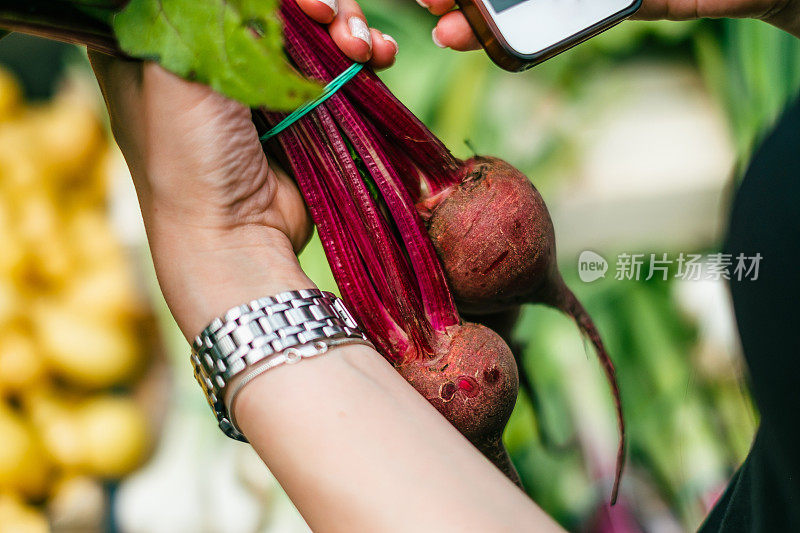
636	140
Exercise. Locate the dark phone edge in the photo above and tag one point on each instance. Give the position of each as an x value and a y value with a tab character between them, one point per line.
507	58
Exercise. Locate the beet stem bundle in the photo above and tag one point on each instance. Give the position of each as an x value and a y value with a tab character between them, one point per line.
475	233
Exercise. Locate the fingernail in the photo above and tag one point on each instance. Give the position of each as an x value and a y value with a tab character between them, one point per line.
333	4
423	4
436	41
359	30
391	40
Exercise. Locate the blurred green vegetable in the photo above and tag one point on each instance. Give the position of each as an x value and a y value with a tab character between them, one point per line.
754	69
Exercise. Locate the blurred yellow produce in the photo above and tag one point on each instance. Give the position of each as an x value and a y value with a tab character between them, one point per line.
76	334
10	301
103	290
84	350
114	430
18	517
56	421
102	435
23	465
21	362
73	136
10	95
77	504
13	257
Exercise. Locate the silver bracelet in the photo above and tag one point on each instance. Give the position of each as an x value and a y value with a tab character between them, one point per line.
250	339
289	357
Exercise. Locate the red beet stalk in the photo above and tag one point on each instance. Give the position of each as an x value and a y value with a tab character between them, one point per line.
375	101
489	226
437	300
465	370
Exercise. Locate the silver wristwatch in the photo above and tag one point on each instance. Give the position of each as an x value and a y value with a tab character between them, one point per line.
250	339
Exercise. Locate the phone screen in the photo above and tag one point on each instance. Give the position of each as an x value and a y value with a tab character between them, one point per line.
502	5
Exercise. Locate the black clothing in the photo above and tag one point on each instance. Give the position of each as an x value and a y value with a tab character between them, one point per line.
764	495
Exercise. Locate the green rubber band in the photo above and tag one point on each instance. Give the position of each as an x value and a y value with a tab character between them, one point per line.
327	92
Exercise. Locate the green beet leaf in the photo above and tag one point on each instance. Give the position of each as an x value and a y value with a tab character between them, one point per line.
235	46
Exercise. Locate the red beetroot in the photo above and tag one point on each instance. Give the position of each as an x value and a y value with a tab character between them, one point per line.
494	236
472	380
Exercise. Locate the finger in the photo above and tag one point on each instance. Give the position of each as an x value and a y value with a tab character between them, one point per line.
648	12
437	7
350	32
323	11
661	9
384	50
289	205
453	31
686	10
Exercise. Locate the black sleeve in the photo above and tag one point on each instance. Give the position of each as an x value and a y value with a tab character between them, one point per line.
764	495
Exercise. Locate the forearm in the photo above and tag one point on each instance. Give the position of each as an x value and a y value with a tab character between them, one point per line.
355	447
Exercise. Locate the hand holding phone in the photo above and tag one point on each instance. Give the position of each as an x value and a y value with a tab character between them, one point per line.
518	34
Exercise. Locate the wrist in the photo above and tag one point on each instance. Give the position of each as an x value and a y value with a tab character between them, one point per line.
261	335
205	272
306	383
345	349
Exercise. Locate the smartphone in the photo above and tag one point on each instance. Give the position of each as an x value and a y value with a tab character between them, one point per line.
518	34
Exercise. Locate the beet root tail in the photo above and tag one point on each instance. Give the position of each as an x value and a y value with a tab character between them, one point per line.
496	453
569	304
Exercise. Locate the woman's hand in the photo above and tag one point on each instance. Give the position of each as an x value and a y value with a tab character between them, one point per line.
453	31
223	223
216	212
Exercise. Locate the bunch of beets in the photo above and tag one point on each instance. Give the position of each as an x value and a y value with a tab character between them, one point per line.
414	235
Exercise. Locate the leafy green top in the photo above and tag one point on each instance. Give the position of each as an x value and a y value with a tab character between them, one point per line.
235	46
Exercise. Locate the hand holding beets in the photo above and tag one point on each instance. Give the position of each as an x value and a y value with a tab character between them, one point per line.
204	182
